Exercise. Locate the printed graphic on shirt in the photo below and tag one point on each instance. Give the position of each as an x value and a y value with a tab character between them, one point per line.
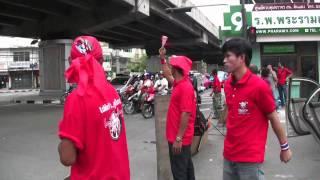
243	108
114	123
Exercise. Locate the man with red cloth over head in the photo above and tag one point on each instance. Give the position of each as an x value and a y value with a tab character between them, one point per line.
181	115
92	130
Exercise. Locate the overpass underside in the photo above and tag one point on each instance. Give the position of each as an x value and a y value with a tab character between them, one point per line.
122	23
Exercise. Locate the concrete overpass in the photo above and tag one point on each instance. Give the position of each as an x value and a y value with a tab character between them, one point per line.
122	23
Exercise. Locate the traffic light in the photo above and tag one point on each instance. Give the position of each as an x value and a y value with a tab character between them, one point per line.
252	34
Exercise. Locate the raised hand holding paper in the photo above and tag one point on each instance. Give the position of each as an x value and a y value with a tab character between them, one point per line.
164	40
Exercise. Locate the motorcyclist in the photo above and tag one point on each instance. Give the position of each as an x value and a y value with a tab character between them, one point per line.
161	85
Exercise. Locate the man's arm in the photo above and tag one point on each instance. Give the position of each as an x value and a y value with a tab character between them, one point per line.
289	73
182	128
286	155
67	152
165	67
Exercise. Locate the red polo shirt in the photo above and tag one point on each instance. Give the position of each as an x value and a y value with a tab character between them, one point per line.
283	73
249	102
216	84
96	127
182	100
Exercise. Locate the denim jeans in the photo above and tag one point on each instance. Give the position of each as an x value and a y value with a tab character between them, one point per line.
242	171
282	94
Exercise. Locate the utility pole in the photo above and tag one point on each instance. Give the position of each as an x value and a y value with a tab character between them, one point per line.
244	19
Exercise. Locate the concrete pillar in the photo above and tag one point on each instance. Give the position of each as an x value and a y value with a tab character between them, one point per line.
53	60
163	161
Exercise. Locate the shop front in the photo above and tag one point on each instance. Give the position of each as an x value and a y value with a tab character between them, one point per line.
285	32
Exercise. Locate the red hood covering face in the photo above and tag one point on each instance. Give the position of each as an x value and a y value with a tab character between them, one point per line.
85	69
181	62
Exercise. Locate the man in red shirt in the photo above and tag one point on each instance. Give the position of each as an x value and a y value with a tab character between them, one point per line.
250	105
92	130
217	98
181	115
283	74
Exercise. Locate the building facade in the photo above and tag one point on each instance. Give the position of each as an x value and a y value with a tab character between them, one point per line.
19	68
285	32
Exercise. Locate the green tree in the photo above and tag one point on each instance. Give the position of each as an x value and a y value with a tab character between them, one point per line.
138	65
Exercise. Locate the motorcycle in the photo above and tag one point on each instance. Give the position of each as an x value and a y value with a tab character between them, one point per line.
148	106
130	90
132	104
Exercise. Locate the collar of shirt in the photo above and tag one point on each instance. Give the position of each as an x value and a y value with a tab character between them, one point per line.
243	80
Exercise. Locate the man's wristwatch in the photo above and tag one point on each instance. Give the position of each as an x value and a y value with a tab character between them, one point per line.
178	139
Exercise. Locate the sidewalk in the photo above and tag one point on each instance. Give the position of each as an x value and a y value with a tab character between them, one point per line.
18	90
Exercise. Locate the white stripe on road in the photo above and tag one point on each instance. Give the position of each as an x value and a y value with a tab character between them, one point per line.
205	103
205	109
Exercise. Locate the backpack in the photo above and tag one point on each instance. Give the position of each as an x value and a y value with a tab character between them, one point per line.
201	123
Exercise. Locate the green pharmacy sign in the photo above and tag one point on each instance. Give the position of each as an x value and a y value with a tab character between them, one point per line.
274	19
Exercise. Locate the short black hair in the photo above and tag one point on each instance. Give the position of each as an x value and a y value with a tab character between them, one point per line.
238	46
265	72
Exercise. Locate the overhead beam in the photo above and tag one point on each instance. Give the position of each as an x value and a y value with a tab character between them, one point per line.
187	26
8	24
154	25
40	6
123	34
77	3
19	15
124	19
107	37
132	29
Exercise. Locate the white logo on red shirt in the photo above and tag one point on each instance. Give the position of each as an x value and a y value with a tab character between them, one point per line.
114	121
114	125
243	108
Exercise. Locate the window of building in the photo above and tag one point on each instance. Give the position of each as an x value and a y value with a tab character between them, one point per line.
21	56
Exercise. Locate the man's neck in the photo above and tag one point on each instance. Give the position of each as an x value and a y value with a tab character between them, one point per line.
240	73
179	78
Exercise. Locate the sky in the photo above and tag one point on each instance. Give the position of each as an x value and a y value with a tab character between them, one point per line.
215	13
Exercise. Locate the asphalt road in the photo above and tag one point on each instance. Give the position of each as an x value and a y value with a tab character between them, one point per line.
28	148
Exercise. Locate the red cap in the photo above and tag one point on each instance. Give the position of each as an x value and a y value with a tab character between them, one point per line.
181	62
84	45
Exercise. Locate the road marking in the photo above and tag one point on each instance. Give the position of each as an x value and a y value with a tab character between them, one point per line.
205	103
205	109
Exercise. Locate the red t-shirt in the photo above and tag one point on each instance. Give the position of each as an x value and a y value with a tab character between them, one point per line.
96	127
182	100
216	85
249	102
283	73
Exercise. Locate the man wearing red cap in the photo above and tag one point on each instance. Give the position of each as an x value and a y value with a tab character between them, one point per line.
92	130
181	115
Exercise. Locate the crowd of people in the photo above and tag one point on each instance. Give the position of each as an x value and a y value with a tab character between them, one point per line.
93	132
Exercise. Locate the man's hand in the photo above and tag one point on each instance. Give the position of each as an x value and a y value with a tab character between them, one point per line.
177	147
285	156
162	53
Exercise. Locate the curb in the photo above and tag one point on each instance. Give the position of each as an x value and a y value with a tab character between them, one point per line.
46	101
19	91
